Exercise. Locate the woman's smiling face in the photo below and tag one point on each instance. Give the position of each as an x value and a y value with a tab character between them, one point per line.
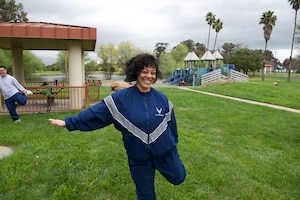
146	78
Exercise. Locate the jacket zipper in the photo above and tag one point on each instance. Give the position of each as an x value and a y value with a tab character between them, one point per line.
147	116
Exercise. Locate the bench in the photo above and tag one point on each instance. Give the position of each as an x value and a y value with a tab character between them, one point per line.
38	93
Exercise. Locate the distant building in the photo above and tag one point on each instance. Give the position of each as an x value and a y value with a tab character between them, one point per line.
269	66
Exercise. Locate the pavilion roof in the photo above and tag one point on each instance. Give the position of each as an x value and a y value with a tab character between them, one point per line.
45	36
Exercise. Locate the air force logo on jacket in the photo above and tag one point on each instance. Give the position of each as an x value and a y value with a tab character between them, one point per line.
159	112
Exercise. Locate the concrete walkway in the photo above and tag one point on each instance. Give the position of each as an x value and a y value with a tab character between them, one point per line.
245	100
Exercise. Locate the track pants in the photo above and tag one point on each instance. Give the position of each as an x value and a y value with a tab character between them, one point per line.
11	104
142	173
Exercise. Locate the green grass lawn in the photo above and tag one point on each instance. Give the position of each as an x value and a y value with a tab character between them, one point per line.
47	73
285	94
231	150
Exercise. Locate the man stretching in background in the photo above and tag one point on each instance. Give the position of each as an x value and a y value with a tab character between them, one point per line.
13	92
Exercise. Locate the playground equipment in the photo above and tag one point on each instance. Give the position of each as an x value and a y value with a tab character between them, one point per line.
183	77
176	74
187	76
212	72
204	76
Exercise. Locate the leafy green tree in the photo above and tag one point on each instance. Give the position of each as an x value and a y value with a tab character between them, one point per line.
53	67
62	64
89	67
5	58
246	60
210	19
217	26
228	50
268	19
62	61
200	49
295	66
168	62
166	65
160	48
31	62
126	51
267	54
190	44
10	11
178	54
109	59
295	5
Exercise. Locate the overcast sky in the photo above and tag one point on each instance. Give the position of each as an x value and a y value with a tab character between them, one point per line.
145	23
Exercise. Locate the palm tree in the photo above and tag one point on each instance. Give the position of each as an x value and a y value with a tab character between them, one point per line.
295	5
268	20
217	25
210	18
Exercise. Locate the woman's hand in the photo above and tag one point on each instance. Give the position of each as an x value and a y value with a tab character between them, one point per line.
57	122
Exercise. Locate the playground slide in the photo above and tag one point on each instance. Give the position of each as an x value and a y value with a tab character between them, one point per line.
180	79
171	79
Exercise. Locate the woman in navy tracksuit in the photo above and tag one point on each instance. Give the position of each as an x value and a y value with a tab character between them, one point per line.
147	122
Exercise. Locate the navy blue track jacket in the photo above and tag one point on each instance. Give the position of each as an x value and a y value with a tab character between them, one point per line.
146	120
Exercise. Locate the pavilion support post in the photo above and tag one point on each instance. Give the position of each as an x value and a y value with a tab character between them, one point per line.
76	74
18	65
83	68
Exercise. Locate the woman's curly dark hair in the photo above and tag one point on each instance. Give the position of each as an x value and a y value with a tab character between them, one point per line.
137	63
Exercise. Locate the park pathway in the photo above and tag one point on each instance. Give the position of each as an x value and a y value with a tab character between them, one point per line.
245	100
